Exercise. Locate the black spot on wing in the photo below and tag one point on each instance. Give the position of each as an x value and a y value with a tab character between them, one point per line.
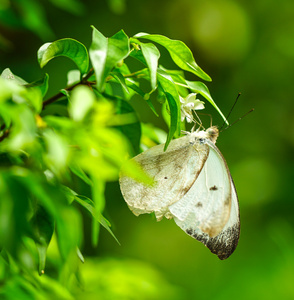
228	201
199	204
223	245
214	188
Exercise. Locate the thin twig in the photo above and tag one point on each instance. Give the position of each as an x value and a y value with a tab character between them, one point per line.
59	94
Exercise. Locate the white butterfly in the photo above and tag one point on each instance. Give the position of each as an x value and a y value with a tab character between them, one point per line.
194	186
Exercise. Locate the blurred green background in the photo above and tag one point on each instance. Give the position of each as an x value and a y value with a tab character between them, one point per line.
245	46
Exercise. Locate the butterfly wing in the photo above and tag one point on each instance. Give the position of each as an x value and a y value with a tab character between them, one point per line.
225	243
173	171
209	212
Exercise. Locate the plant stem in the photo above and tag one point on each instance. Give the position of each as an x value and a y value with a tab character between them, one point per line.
59	94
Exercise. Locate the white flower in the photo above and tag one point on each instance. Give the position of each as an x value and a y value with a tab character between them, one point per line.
188	104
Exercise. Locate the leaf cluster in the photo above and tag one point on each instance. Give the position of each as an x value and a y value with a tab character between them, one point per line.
84	133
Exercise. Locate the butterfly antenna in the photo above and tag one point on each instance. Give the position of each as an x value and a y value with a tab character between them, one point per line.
230	113
250	111
199	120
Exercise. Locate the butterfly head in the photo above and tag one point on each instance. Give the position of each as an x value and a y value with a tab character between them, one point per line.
212	133
202	136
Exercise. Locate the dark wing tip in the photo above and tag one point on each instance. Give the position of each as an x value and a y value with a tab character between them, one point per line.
223	245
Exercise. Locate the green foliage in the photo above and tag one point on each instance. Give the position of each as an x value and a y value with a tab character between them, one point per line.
83	134
66	47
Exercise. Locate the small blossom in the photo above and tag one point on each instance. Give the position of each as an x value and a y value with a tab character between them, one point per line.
188	104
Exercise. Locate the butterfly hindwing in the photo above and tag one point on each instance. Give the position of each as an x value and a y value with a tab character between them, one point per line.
225	243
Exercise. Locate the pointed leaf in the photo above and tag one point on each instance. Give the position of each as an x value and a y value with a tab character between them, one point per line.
179	52
88	204
106	53
73	76
8	75
98	188
41	84
151	55
133	130
69	235
80	255
173	99
194	86
198	87
43	223
201	88
120	79
137	54
69	48
82	100
77	170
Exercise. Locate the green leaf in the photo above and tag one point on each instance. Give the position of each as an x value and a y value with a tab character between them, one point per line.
23	135
43	224
8	75
106	53
201	88
68	227
73	76
82	100
137	54
148	55
14	206
133	130
195	86
151	55
98	188
59	123
120	79
133	85
88	204
172	96
80	255
179	52
33	97
145	96
69	48
7	89
41	84
57	154
77	170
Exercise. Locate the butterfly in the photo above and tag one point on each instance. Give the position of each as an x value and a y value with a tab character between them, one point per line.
192	185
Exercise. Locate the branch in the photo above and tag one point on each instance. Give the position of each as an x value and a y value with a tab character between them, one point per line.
59	95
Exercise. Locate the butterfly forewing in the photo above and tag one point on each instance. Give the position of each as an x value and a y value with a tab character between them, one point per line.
173	171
